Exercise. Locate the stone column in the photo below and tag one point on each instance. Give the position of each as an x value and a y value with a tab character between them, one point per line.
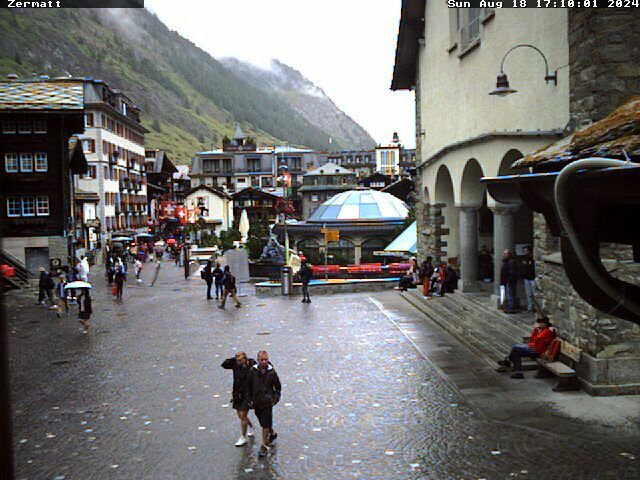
469	249
357	252
503	237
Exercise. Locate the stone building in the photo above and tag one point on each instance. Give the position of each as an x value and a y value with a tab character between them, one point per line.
323	183
113	142
37	216
450	59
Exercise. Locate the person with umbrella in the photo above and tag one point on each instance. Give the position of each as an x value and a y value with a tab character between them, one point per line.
84	302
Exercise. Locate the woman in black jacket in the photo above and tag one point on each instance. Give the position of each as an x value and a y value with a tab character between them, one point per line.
241	365
85	310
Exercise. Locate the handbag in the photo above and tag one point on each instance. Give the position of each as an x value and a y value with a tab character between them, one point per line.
114	290
503	294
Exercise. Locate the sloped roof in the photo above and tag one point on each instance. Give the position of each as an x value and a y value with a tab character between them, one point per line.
411	29
50	95
239	133
406	242
213	190
330	169
613	136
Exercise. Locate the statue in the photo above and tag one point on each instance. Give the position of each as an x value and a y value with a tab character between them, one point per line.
273	252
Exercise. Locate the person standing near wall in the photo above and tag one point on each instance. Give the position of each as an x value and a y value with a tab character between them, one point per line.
509	279
529	274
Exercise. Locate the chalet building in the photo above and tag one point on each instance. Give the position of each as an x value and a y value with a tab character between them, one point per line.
159	170
37	208
441	51
376	181
321	184
113	143
259	204
210	207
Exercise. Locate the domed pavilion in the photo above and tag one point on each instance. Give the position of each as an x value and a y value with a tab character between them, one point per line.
368	220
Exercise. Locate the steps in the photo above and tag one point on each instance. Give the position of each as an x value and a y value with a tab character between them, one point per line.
22	275
485	330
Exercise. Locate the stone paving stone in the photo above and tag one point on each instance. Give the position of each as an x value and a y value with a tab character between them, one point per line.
143	396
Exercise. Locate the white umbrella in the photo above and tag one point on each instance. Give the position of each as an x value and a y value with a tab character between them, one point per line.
77	284
122	239
244	226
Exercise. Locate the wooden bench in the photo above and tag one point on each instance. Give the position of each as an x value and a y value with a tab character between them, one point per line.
563	368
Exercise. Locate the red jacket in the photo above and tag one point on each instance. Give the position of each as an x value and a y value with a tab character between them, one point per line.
541	339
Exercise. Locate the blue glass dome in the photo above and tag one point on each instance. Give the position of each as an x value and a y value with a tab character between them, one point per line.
360	206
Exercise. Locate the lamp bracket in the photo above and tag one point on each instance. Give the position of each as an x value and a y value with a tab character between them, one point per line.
547	77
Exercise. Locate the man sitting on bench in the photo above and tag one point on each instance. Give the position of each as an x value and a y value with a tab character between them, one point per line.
541	338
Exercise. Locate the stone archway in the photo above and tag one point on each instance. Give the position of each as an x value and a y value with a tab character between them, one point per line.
445	207
513	224
472	196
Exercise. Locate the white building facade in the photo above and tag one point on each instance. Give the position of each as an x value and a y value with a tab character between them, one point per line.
113	144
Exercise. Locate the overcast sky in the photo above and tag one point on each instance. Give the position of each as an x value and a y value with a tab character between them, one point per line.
346	47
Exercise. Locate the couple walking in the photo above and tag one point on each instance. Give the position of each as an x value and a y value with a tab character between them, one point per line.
225	283
255	386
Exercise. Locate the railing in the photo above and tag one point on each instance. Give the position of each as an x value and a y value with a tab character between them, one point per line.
21	271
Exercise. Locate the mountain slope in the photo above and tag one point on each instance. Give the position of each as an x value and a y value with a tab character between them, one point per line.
304	97
188	99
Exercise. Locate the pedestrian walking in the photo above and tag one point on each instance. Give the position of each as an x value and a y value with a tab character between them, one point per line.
207	276
230	288
509	279
84	310
218	277
241	366
111	269
529	274
120	277
306	273
45	287
61	293
264	393
138	270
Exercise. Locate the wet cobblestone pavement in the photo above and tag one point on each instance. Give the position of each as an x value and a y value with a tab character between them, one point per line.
143	396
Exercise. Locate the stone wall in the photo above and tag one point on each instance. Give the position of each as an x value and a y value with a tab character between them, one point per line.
430	231
611	346
605	61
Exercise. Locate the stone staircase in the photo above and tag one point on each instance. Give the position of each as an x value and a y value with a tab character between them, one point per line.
22	277
471	319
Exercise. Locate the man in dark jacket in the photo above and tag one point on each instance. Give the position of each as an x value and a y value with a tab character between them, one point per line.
264	393
218	277
509	279
207	276
529	274
45	287
229	288
306	273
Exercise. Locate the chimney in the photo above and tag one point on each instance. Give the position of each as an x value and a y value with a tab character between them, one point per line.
12	77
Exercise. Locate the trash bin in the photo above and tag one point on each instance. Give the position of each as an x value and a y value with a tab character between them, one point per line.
287	280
